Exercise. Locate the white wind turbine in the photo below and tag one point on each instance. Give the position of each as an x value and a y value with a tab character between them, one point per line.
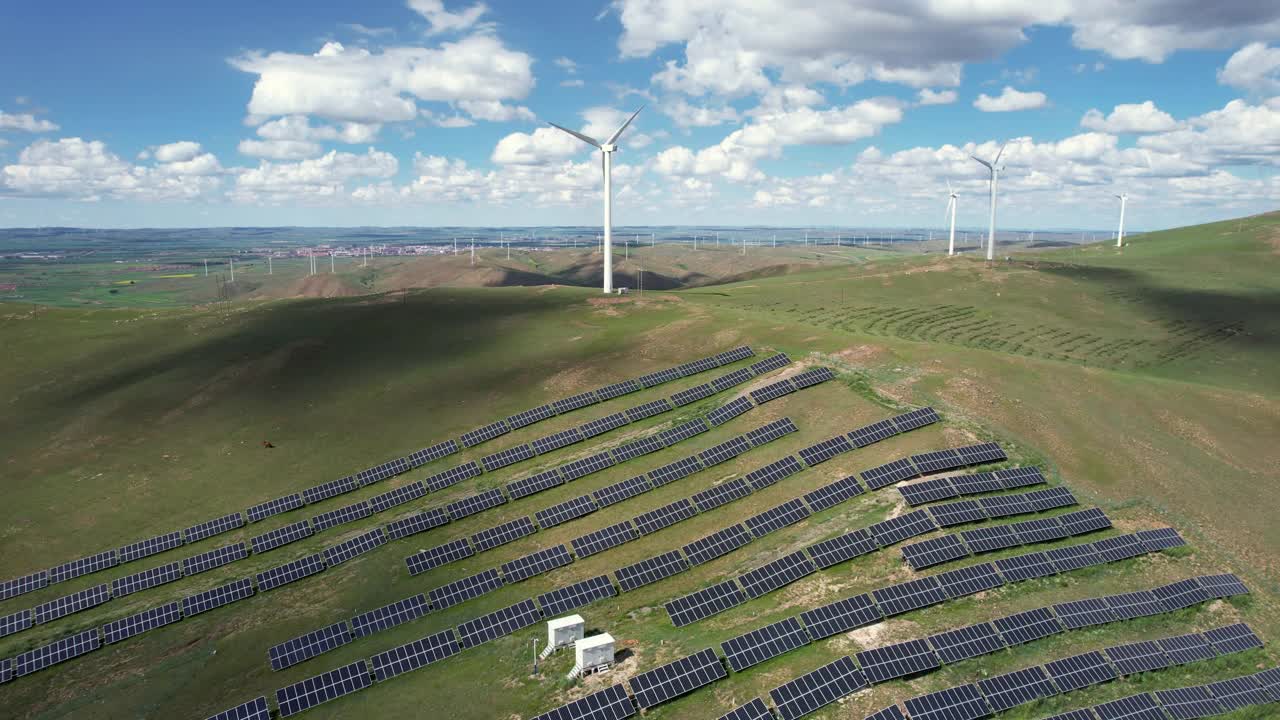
607	148
1124	199
995	180
951	208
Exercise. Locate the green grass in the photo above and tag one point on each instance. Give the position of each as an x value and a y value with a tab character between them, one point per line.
1112	369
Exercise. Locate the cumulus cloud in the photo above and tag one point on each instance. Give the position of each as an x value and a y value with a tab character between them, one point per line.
87	170
176	152
495	111
314	179
937	97
279	149
1011	100
1253	68
685	115
25	122
299	128
539	147
1136	118
440	20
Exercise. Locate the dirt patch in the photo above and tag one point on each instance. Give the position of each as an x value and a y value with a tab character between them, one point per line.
321	286
861	354
869	636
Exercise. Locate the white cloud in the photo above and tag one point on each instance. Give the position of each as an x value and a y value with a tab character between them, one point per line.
87	170
322	178
25	122
676	160
1136	118
1011	100
440	20
539	147
299	128
566	64
946	74
176	152
937	97
1253	68
495	111
369	31
280	149
1238	134
683	114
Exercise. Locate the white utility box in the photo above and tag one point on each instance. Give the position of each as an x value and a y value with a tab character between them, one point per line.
565	631
593	653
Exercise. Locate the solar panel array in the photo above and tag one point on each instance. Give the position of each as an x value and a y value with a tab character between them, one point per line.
150	546
337	487
293	699
414	655
296	650
816	689
944	488
281	536
946	548
498	623
355	546
676	678
529	417
289	572
275	507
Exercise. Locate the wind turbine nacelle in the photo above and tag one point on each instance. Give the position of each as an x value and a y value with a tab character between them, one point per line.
608	148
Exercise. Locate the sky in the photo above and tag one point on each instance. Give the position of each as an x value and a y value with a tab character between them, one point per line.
789	113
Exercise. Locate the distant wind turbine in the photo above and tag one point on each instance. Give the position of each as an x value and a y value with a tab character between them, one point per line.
951	208
607	148
995	180
1124	199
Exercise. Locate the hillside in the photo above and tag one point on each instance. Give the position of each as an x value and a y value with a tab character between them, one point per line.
1142	379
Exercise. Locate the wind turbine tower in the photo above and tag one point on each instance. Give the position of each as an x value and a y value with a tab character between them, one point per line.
607	148
994	169
1124	199
951	208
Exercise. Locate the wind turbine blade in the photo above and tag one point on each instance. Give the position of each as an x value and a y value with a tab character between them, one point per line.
984	162
613	138
949	188
580	136
1002	147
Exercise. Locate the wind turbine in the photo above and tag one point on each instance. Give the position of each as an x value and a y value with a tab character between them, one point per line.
995	180
607	148
951	208
1124	198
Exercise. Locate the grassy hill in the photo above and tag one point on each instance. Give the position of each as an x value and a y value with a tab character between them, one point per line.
1141	378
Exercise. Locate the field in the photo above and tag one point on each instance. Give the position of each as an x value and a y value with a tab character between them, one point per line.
1143	379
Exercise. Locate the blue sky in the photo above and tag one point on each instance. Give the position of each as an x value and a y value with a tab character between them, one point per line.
425	112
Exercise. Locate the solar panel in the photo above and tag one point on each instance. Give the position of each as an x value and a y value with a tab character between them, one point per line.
737	377
842	548
895	530
665	516
1080	671
966	642
1137	657
772	391
626	387
834	493
716	544
763	477
957	513
1026	567
1232	639
889	473
636	449
214	558
657	378
1051	498
411	656
603	539
275	507
676	678
937	461
574	402
399	496
981	453
1182	594
754	710
674	471
616	493
969	580
1190	703
723	452
910	595
293	699
146	579
729	411
1128	606
389	616
1074	557
916	419
609	704
1007	505
6	670
490	538
1160	539
1085	714
919	493
294	570
281	536
217	597
24	584
576	595
469	587
650	570
566	511
684	431
208	529
605	424
780	572
503	458
773	362
391	468
453	476
304	647
823	451
587	465
1134	707
1039	530
988	539
1018	477
730	356
473	504
1270	681
55	652
416	523
330	489
647	410
488	432
83	566
150	546
1189	648
354	547
890	713
1121	547
350	513
435	452
1221	586
841	616
770	641
253	710
1026	626
693	394
498	623
977	483
934	552
536	563
809	378
776	518
897	660
873	433
718	495
817	689
1239	692
1083	613
425	560
15	622
525	487
963	702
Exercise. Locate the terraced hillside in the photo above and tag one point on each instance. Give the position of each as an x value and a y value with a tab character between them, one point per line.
126	425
